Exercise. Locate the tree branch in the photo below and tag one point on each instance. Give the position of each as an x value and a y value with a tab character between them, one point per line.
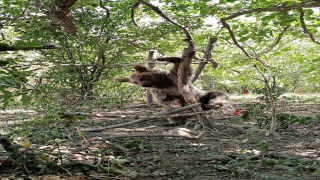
106	9
133	7
206	57
245	74
164	16
304	27
277	40
235	41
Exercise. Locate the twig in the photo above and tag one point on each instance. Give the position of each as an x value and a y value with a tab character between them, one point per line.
245	74
233	37
235	41
116	145
65	170
22	13
277	40
304	27
135	116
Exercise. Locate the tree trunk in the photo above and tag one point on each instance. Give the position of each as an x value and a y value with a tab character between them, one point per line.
151	59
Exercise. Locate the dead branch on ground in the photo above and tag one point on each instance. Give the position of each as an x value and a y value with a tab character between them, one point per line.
157	116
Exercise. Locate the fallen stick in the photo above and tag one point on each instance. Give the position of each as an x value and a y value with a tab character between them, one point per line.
160	115
149	135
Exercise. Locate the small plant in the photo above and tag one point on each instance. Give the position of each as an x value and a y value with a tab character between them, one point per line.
137	144
257	111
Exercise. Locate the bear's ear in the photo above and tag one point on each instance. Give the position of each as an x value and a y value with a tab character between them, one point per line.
121	80
140	68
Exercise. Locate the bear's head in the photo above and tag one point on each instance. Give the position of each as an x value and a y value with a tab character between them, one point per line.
142	76
145	77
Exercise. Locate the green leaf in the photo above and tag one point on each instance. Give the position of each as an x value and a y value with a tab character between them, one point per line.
267	18
26	99
316	60
316	172
271	161
4	45
3	63
244	38
244	32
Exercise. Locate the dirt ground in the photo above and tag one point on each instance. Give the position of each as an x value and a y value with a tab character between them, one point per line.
235	149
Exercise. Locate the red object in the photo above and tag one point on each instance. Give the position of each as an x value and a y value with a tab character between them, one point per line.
245	92
237	112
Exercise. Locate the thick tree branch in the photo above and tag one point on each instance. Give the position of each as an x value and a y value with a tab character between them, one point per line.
164	16
206	57
304	27
273	9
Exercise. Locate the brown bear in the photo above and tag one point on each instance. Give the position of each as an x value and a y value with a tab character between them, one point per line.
163	87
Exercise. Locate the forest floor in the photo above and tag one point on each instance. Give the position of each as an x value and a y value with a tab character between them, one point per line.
236	149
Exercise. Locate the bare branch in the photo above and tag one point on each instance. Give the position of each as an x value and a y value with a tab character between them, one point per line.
206	56
277	40
233	37
133	7
235	41
273	9
106	9
150	135
159	115
184	29
304	27
245	74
